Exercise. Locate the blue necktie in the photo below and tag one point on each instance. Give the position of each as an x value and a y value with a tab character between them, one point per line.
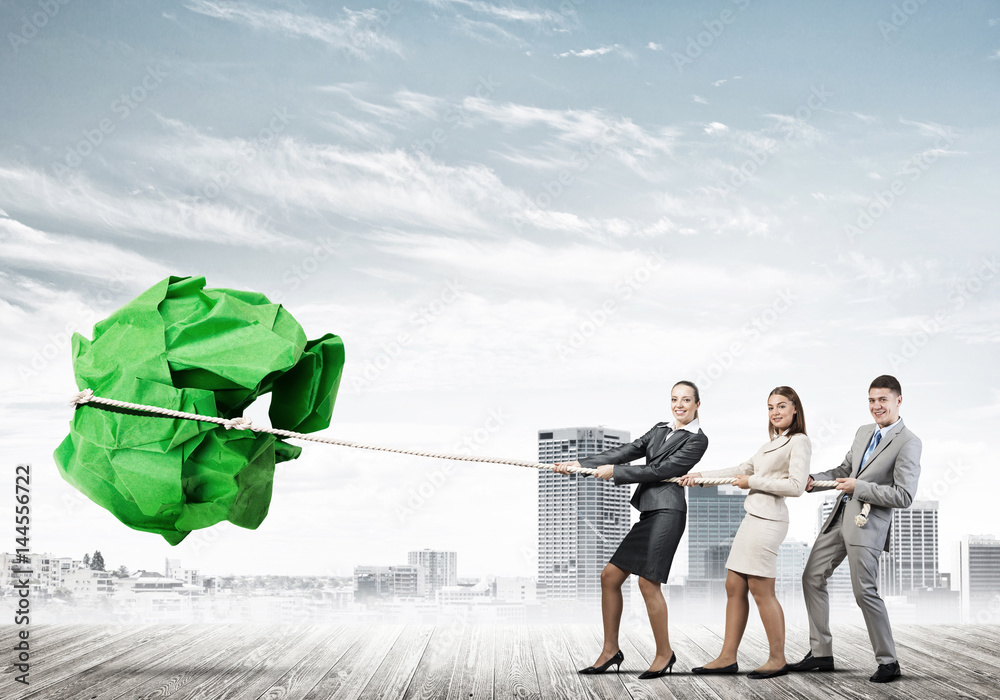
868	453
871	448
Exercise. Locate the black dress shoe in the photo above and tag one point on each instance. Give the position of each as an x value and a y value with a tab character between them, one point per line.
812	663
616	660
730	669
646	675
886	673
769	674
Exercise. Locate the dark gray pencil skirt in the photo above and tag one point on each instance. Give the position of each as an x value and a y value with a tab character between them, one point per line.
648	548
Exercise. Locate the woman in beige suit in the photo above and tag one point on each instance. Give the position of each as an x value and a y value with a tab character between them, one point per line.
780	468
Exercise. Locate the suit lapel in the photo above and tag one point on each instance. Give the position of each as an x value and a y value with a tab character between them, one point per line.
882	444
668	444
779	441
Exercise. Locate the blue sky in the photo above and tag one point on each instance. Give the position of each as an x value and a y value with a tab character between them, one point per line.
563	208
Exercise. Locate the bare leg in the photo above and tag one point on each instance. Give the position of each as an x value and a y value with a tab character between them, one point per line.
737	612
773	618
656	608
612	605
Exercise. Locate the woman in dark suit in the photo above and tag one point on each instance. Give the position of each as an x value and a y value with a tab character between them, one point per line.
647	551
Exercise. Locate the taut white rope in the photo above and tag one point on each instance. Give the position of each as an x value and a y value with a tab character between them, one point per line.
241	423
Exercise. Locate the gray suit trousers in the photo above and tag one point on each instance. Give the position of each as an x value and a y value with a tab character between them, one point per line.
827	553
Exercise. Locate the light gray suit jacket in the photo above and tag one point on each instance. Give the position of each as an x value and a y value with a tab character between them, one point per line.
887	481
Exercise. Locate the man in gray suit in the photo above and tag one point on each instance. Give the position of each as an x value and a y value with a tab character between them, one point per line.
881	469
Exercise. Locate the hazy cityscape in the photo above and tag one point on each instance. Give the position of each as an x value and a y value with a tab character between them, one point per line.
580	523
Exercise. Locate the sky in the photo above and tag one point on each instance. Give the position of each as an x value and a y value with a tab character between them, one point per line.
518	216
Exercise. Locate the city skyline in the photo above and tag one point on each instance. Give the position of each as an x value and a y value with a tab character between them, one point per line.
516	215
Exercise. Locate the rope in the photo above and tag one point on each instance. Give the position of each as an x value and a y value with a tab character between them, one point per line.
241	423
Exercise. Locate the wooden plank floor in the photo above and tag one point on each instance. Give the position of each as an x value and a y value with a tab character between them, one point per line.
453	662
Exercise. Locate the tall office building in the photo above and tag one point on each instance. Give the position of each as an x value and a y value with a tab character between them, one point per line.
581	520
714	516
440	568
979	578
839	584
911	563
792	557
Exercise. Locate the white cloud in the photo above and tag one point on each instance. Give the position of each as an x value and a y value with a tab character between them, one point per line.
932	129
600	51
488	33
508	12
85	202
28	248
716	128
653	46
577	126
352	33
698	99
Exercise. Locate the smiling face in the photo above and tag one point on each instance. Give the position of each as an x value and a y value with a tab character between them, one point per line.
780	411
884	405
683	404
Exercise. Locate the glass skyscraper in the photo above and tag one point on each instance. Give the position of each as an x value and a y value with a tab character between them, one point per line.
912	560
581	520
714	516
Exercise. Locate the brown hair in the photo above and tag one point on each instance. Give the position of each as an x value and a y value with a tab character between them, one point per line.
798	420
887	381
697	396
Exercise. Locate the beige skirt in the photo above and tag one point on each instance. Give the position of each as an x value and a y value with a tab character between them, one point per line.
755	547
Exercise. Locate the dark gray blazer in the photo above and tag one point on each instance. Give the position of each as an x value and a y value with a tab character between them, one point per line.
663	461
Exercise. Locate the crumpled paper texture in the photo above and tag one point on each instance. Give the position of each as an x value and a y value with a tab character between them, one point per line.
207	351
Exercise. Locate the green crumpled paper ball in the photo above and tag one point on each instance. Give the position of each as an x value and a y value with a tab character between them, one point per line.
206	351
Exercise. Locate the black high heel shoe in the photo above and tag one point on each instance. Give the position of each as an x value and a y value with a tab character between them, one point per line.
669	668
616	660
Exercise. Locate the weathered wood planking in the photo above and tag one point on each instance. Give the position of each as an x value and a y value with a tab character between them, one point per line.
355	668
110	679
300	679
472	662
54	674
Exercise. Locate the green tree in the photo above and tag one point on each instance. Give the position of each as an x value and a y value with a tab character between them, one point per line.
86	561
122	571
97	561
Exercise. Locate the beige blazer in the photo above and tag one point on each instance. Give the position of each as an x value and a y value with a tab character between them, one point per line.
780	468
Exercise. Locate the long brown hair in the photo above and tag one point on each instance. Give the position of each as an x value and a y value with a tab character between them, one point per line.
798	420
